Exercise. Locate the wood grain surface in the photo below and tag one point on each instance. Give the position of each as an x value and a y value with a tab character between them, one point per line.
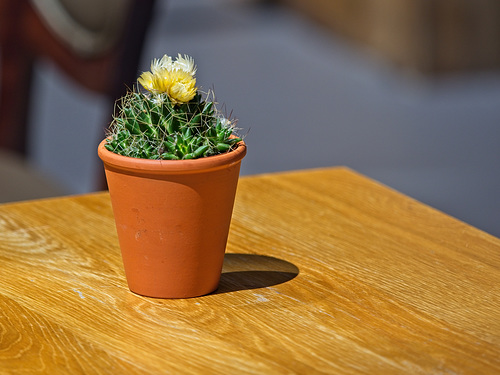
326	272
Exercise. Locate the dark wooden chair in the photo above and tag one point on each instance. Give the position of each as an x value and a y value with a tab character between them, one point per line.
99	54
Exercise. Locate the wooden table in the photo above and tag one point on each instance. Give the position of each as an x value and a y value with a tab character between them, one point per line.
326	272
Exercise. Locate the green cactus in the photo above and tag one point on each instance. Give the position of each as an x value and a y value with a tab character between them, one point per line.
156	125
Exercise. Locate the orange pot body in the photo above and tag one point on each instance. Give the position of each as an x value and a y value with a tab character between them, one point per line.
172	219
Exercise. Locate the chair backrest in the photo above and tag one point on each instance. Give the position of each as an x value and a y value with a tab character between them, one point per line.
97	43
87	27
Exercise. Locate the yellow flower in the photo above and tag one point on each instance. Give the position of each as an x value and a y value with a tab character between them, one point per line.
179	85
174	78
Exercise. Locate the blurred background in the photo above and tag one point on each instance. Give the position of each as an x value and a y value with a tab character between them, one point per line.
404	91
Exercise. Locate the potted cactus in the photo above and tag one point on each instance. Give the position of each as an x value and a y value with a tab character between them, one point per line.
172	163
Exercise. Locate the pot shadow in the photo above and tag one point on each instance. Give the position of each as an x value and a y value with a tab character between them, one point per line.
251	271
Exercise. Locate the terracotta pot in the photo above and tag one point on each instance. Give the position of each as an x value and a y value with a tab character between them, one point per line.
172	219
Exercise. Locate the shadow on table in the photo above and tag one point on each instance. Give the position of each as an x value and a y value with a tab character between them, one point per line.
250	271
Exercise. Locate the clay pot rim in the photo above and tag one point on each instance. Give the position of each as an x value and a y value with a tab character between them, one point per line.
172	166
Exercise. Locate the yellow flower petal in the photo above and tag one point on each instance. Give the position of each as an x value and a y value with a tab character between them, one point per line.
164	63
146	80
181	92
185	63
